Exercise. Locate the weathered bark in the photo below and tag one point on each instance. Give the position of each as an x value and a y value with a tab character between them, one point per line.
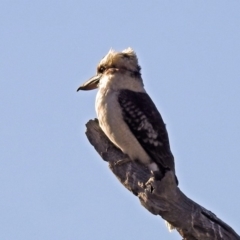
163	197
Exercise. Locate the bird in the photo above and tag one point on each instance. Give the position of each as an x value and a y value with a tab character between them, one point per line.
127	115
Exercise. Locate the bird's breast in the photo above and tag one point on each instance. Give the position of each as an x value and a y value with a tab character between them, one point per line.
111	122
108	111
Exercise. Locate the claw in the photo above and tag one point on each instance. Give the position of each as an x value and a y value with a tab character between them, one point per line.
122	161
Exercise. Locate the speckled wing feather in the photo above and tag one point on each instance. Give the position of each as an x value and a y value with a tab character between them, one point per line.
146	123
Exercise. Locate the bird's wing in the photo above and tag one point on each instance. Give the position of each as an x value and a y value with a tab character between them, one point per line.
146	123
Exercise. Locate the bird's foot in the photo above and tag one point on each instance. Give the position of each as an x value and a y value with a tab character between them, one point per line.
156	176
122	161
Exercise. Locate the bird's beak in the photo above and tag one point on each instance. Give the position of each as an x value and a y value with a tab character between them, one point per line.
91	84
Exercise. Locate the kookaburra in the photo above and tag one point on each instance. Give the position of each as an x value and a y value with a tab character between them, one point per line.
126	113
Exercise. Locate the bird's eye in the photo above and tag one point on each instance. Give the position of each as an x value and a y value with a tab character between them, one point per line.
101	69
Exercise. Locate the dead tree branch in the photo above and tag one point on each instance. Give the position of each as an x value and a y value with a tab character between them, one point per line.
163	197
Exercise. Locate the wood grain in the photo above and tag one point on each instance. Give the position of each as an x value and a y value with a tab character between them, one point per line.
162	198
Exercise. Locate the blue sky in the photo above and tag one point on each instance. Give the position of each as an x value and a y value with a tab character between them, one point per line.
53	185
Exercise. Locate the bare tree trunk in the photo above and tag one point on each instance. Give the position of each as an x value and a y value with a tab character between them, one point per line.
163	197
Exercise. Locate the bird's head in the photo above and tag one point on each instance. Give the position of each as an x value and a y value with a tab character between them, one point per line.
125	60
